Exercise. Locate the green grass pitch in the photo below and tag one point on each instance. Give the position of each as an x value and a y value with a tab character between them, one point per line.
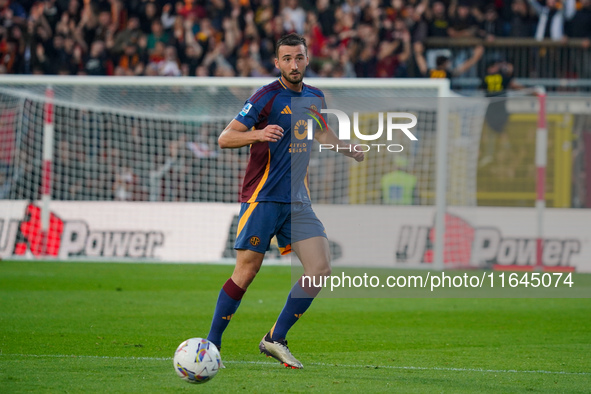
74	327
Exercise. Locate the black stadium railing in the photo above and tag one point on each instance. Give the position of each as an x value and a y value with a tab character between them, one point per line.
560	66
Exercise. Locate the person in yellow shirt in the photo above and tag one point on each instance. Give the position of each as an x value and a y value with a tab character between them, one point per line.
399	186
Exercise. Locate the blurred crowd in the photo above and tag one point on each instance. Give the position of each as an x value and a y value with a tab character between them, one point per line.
124	159
346	38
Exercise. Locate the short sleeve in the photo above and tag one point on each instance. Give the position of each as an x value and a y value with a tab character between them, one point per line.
249	114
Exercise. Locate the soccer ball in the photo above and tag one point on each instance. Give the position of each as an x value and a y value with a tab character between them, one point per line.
197	360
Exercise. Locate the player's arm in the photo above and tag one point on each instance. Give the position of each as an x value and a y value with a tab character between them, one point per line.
468	64
328	137
237	135
420	58
513	85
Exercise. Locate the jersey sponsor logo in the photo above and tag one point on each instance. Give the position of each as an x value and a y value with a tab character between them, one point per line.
480	246
246	109
67	238
286	110
300	130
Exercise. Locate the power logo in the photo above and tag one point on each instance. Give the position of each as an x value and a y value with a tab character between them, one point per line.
68	238
34	239
415	244
459	236
469	246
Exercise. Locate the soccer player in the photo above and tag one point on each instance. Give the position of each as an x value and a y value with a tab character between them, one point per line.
275	201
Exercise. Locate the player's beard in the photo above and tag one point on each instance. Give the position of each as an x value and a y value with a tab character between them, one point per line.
295	79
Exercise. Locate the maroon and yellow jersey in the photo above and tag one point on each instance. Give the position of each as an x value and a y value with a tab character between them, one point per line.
269	172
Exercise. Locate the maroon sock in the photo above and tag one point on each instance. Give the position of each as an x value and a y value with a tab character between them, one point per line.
233	290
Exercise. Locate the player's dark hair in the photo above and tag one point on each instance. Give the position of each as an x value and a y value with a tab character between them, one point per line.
440	60
291	40
492	63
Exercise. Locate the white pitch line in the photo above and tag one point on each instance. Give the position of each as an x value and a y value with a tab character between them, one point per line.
96	357
450	369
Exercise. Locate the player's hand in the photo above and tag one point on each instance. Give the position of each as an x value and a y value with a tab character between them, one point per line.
271	133
358	156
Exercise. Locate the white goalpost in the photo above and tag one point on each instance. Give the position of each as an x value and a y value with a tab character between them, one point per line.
123	140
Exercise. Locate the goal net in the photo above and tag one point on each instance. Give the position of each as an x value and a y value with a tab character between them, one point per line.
128	141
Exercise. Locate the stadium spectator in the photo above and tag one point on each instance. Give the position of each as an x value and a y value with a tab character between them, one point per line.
9	56
580	24
157	35
76	64
190	9
125	185
414	19
169	66
148	14
168	17
315	36
12	12
51	13
326	17
193	58
496	82
438	21
130	35
522	19
96	63
74	11
131	62
492	25
399	185
463	23
392	55
294	17
41	63
498	78
552	17
365	66
580	27
68	181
